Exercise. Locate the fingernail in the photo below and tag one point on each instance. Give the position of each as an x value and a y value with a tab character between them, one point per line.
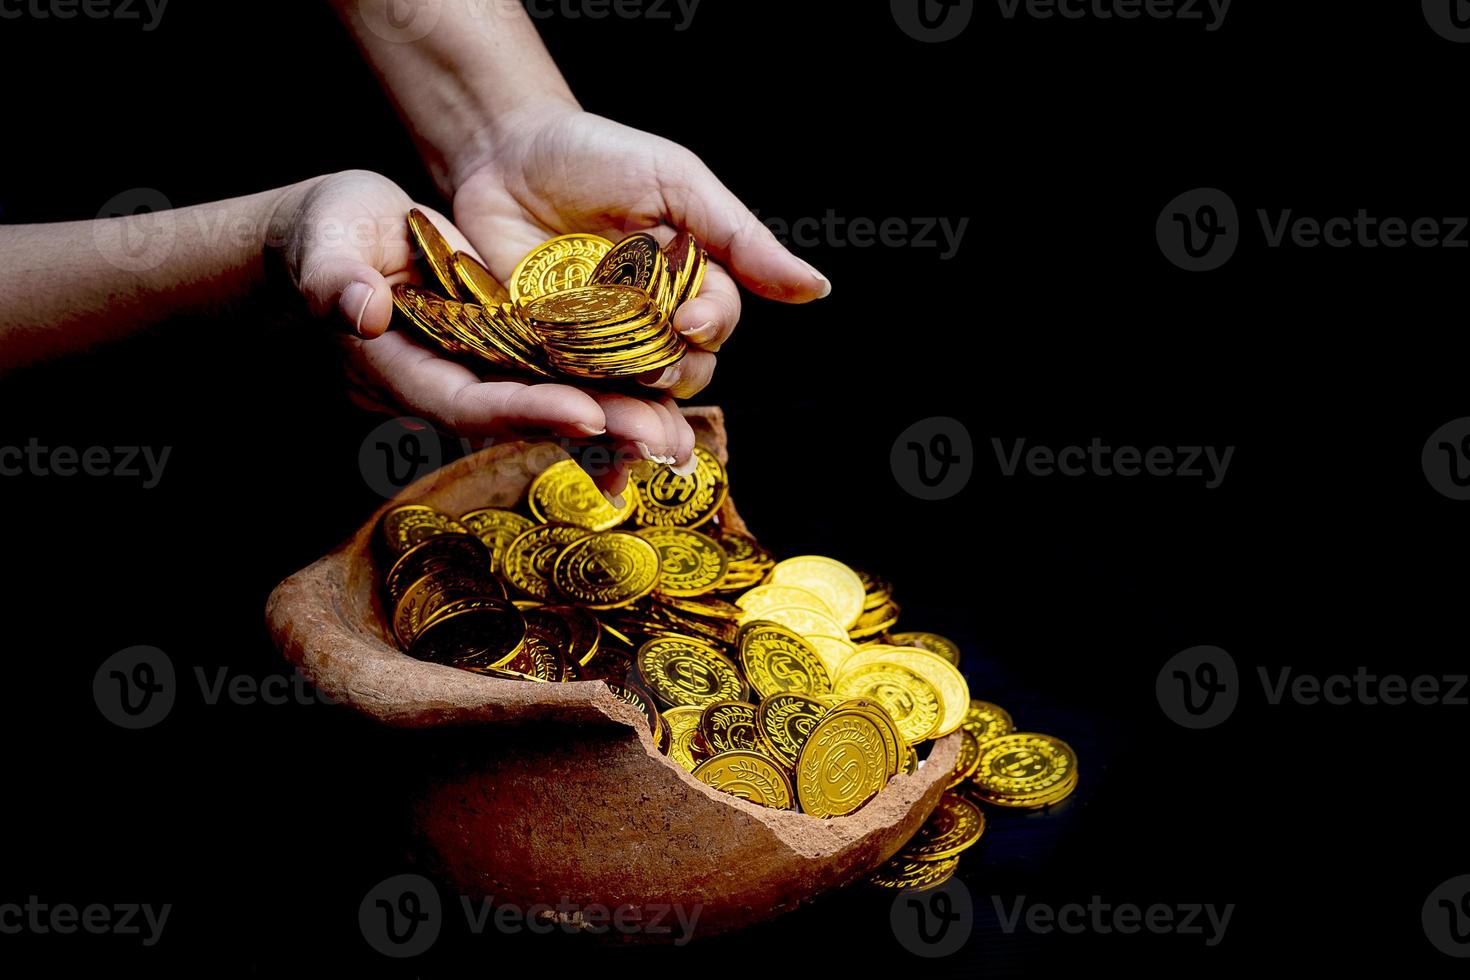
647	453
354	303
701	333
588	430
687	467
616	499
826	283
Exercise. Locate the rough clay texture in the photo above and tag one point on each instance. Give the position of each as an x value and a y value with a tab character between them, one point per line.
560	794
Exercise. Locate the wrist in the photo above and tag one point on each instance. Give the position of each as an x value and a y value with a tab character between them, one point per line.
490	134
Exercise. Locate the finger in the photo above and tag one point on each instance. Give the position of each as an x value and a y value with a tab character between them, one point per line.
686	378
454	398
707	320
683	440
667	411
337	283
638	423
696	200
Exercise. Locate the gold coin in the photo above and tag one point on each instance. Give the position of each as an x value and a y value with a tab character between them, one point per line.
836	584
584	633
706	606
667	499
681	670
439	553
842	765
895	748
478	282
1035	801
438	253
908	697
954	826
1024	764
563	263
687	262
497	529
643	701
635	261
692	563
565	494
968	759
875	622
940	646
728	725
777	660
430	593
530	559
798	619
764	597
910	760
879	592
954	692
744	551
471	633
904	875
607	570
589	306
783	722
748	775
834	651
683	726
411	524
987	721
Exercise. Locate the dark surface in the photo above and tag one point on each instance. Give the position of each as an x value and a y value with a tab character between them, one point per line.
1324	549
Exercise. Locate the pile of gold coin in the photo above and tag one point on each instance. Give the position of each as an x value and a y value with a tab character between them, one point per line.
577	305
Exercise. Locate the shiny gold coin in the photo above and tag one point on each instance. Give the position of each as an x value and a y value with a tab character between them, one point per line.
908	697
403	527
643	701
748	775
904	875
530	559
563	263
842	765
478	282
584	633
940	646
589	306
764	597
777	660
667	499
783	722
438	253
430	593
987	721
835	651
683	726
542	654
799	620
687	262
497	529
954	691
728	725
705	606
745	551
565	494
878	591
836	584
968	759
635	261
1024	764
439	553
1035	801
692	564
895	748
684	671
607	570
955	826
875	622
910	761
471	633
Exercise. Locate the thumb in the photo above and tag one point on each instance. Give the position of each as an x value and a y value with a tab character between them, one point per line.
700	203
342	287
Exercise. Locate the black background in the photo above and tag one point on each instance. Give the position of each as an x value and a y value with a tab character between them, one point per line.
1325	548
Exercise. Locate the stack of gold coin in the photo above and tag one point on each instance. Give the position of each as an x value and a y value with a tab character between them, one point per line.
577	305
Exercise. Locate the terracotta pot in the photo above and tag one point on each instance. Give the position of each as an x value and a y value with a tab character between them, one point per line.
558	793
